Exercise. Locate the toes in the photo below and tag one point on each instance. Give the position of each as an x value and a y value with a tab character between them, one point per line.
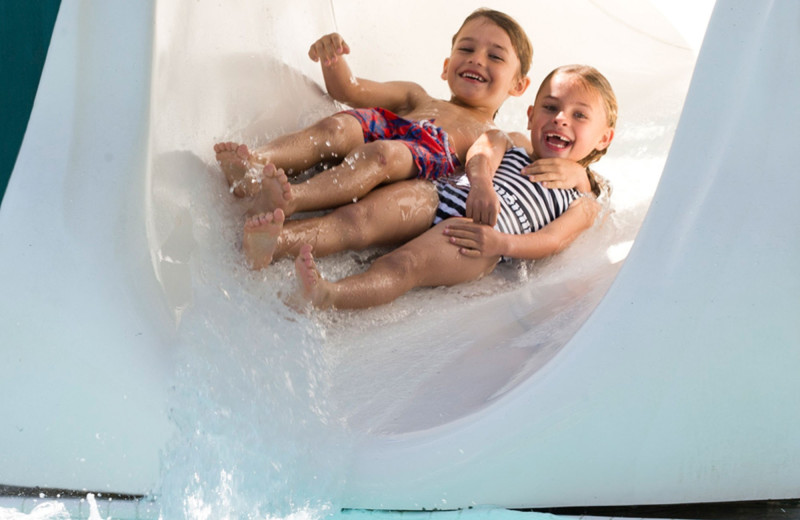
258	220
229	147
251	222
270	170
306	267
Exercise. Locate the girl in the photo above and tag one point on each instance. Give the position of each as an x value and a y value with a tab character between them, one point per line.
573	117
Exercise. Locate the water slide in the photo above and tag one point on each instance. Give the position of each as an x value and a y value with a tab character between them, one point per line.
141	357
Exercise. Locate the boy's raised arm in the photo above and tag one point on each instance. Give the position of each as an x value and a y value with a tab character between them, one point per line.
357	92
483	159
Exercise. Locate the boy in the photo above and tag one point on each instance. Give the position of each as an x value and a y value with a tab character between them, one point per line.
391	135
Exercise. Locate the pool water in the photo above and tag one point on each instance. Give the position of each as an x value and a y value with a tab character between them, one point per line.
97	508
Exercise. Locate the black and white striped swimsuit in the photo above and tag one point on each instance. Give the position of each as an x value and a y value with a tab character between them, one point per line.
525	206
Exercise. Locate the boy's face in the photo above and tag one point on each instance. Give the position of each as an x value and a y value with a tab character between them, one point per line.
483	68
568	120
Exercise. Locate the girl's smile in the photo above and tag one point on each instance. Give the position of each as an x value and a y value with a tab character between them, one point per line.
568	120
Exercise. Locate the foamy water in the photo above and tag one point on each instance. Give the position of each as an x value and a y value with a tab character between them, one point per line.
267	400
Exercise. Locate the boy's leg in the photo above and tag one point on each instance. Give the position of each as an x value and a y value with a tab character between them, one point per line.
275	192
234	160
389	215
329	139
365	168
427	261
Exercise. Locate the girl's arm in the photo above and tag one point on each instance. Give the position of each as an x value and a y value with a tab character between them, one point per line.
356	92
483	159
478	240
557	173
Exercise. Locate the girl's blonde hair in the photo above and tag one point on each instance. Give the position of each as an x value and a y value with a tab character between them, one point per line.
592	79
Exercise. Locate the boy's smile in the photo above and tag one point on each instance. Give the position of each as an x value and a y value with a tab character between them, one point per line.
469	75
483	68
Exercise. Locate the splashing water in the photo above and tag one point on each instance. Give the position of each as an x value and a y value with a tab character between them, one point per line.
50	510
54	510
263	397
255	434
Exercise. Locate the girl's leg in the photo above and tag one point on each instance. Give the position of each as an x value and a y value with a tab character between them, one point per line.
329	139
427	261
366	167
390	215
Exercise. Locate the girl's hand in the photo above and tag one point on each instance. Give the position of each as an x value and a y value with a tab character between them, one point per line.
328	49
475	240
558	173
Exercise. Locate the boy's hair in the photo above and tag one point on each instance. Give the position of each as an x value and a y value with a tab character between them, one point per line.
594	80
519	39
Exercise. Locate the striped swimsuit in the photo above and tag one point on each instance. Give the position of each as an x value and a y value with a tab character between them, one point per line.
525	206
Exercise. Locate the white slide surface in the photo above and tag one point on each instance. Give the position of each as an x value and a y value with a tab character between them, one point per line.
129	324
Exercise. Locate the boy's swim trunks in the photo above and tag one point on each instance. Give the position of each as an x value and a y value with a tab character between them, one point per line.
429	144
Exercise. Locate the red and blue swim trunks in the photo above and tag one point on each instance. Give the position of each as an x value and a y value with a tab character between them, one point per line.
429	144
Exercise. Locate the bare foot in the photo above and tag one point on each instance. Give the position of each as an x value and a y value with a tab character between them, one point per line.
276	192
313	288
261	234
241	173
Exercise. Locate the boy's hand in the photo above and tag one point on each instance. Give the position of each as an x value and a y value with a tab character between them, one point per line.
328	49
483	206
475	240
557	173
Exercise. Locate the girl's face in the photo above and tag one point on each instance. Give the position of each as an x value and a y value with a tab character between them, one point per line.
483	68
568	120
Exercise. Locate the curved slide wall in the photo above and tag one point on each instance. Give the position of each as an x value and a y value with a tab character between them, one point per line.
678	387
